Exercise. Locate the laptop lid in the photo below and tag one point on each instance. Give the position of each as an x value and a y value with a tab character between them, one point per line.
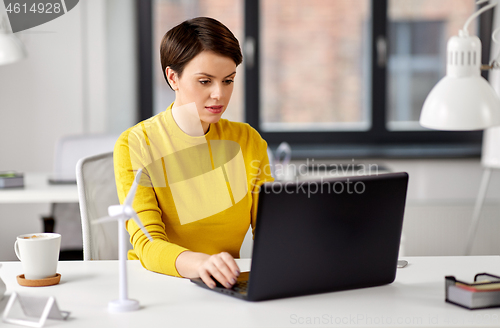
320	236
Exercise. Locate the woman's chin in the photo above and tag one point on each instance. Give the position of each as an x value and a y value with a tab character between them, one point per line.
212	119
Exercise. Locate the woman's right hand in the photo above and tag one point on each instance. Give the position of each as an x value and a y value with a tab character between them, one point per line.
221	266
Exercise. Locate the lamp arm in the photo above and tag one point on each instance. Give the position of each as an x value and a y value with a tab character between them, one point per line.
465	29
494	35
495	62
3	24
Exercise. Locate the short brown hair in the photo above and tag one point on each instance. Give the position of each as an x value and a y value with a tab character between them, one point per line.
186	40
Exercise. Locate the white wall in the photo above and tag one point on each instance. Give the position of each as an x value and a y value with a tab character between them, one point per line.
79	77
441	199
41	96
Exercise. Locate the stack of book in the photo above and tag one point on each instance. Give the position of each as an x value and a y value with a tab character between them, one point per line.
484	292
11	180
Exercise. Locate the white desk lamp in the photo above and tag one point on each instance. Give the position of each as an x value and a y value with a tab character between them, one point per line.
11	49
122	213
463	100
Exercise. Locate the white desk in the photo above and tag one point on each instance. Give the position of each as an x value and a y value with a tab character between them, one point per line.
415	299
38	190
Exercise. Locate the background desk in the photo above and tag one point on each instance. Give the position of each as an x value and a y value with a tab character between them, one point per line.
21	209
38	190
415	299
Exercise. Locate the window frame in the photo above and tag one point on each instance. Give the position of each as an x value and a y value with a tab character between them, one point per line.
378	140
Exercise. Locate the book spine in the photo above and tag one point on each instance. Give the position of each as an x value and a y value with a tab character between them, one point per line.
471	299
11	182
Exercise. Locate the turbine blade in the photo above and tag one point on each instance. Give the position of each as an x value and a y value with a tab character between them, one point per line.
105	219
139	223
131	193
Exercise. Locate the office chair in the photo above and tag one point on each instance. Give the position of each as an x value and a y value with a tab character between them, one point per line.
97	191
65	217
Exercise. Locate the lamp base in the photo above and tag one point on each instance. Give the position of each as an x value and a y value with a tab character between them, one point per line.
126	305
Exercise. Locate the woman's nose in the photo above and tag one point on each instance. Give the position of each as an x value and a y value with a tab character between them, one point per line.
217	92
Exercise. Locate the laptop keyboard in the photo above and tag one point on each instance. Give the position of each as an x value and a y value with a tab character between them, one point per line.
241	286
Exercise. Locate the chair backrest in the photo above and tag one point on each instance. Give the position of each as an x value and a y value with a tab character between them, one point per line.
97	191
270	155
69	149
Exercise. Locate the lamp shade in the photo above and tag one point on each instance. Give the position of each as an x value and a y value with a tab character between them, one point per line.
462	100
11	49
461	104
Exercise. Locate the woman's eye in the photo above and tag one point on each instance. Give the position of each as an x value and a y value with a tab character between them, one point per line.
228	81
204	81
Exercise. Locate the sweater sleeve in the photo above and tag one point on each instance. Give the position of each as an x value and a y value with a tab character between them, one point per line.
261	176
159	255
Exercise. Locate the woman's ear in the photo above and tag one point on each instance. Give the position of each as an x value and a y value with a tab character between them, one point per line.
172	78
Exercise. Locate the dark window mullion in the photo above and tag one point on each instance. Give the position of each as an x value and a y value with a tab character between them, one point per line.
379	73
485	30
252	76
145	51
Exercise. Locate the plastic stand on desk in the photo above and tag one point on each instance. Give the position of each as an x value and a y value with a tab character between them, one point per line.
36	307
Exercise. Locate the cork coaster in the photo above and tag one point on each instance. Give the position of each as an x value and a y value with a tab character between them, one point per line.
38	282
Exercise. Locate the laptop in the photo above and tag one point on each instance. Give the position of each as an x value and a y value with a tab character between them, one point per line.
323	236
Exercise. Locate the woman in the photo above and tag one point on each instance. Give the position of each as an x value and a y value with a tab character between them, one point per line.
198	193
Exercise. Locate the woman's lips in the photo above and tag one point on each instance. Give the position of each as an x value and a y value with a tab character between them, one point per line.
214	109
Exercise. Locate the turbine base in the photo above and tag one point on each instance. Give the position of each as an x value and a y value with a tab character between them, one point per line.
126	305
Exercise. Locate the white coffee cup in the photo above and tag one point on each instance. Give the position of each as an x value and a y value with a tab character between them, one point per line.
39	253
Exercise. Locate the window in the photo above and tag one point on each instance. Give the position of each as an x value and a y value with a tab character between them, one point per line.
314	65
418	31
337	74
415	66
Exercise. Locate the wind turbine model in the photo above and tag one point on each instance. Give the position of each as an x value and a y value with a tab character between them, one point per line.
123	213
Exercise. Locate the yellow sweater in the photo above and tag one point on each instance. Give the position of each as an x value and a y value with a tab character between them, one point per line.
196	193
